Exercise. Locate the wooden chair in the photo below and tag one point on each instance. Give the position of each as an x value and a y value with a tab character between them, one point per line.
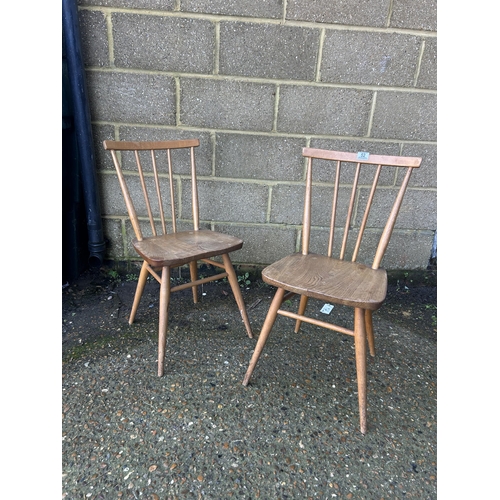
163	251
338	280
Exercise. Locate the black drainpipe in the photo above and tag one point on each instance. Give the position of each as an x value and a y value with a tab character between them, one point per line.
96	243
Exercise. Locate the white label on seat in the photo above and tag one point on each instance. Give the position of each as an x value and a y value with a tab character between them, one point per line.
362	155
327	309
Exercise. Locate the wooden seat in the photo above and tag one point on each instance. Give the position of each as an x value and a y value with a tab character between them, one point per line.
142	169
362	200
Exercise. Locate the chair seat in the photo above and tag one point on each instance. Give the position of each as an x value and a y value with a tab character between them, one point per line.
177	249
332	280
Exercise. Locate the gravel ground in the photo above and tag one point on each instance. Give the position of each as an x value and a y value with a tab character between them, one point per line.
198	433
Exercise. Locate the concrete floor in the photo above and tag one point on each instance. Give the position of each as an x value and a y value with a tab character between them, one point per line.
198	433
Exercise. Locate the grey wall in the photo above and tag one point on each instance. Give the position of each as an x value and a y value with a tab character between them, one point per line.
256	81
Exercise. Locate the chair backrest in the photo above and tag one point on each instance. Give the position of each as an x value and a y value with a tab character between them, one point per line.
146	176
359	189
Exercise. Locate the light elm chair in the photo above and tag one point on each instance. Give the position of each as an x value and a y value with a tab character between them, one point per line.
362	199
146	177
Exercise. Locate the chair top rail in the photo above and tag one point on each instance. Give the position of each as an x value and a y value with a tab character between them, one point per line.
395	161
146	145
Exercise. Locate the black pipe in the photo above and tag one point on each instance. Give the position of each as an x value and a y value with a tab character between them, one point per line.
71	29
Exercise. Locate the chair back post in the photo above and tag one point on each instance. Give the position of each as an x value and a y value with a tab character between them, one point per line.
126	195
391	221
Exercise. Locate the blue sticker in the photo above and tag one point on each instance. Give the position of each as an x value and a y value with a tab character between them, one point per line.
362	155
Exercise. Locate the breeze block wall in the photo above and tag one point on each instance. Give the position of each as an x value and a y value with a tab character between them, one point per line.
256	81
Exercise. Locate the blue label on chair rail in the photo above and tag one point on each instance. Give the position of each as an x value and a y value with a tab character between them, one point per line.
363	155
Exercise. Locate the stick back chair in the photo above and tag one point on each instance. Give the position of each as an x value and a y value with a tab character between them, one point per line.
340	280
149	166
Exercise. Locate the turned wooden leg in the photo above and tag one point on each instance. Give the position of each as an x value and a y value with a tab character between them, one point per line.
193	270
141	282
264	334
235	287
163	321
369	331
360	348
302	310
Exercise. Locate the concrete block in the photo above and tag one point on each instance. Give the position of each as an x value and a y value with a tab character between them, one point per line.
287	204
167	5
227	201
226	104
259	157
129	252
406	249
262	244
131	97
364	58
112	228
401	115
268	50
94	38
318	243
113	204
100	133
414	14
355	13
253	8
426	175
182	225
287	201
323	110
418	210
427	77
163	43
129	236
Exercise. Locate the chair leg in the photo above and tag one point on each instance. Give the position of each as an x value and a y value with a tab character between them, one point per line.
369	331
302	310
235	287
193	269
163	321
360	348
264	334
141	282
